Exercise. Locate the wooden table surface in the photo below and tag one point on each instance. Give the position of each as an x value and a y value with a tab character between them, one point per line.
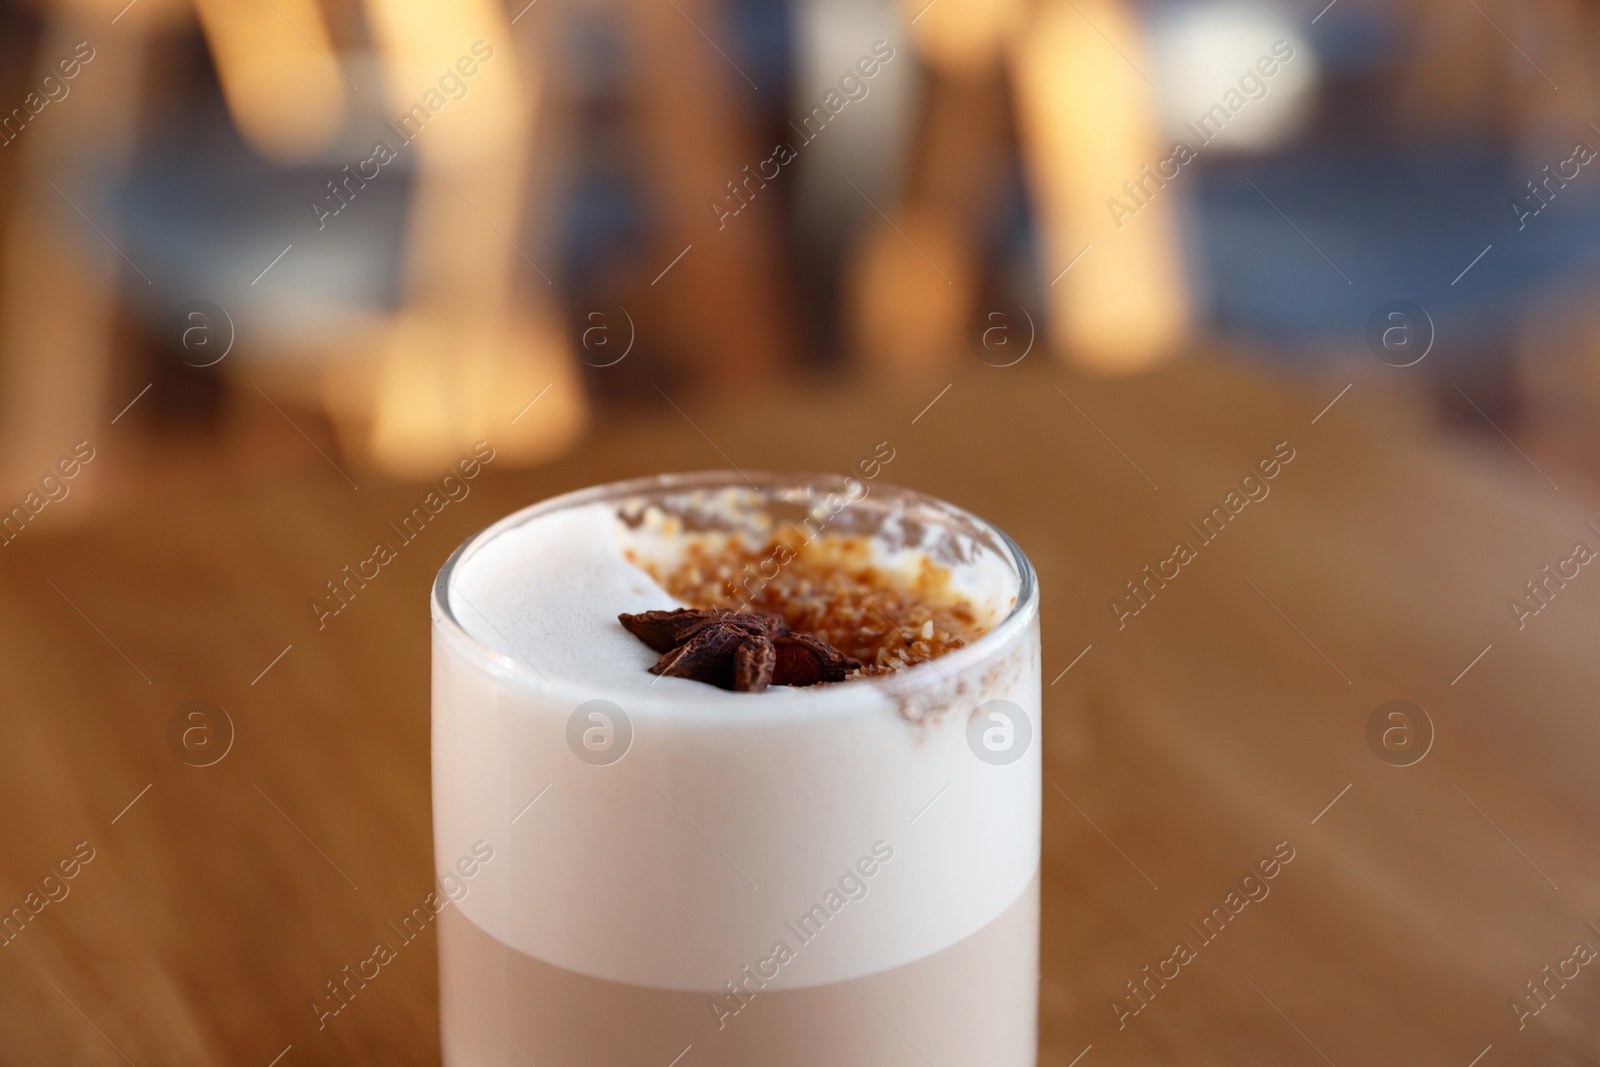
1179	750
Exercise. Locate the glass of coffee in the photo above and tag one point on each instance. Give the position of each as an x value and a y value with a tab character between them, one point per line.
738	769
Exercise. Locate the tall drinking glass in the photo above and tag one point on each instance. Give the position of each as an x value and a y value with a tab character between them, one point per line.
645	868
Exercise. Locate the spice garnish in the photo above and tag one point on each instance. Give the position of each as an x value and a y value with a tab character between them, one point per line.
736	650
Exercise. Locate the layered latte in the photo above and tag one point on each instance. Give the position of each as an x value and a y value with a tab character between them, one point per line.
792	818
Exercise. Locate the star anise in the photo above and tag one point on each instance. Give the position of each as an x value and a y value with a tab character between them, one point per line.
736	650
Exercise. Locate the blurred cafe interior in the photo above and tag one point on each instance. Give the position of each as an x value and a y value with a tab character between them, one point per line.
399	221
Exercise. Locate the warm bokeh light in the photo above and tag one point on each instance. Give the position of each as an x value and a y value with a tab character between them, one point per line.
445	383
452	71
279	72
1089	124
962	37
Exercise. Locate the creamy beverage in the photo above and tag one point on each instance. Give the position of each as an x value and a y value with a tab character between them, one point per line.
810	838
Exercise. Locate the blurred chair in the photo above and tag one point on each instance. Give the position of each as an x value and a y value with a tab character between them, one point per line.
61	266
458	359
722	312
1086	122
470	345
915	282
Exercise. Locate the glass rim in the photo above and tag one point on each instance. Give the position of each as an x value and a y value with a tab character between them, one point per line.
908	680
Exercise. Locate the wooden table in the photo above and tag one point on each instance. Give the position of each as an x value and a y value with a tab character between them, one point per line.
1229	715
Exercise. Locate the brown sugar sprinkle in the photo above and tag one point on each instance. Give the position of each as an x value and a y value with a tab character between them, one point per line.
830	589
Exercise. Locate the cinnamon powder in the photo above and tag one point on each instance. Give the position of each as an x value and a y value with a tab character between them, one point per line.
830	588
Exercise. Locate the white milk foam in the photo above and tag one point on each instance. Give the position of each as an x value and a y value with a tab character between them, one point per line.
732	814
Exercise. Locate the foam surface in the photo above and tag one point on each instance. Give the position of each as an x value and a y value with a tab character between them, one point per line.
731	814
548	593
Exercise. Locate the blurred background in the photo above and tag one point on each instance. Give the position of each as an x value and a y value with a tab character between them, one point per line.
1077	264
395	225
